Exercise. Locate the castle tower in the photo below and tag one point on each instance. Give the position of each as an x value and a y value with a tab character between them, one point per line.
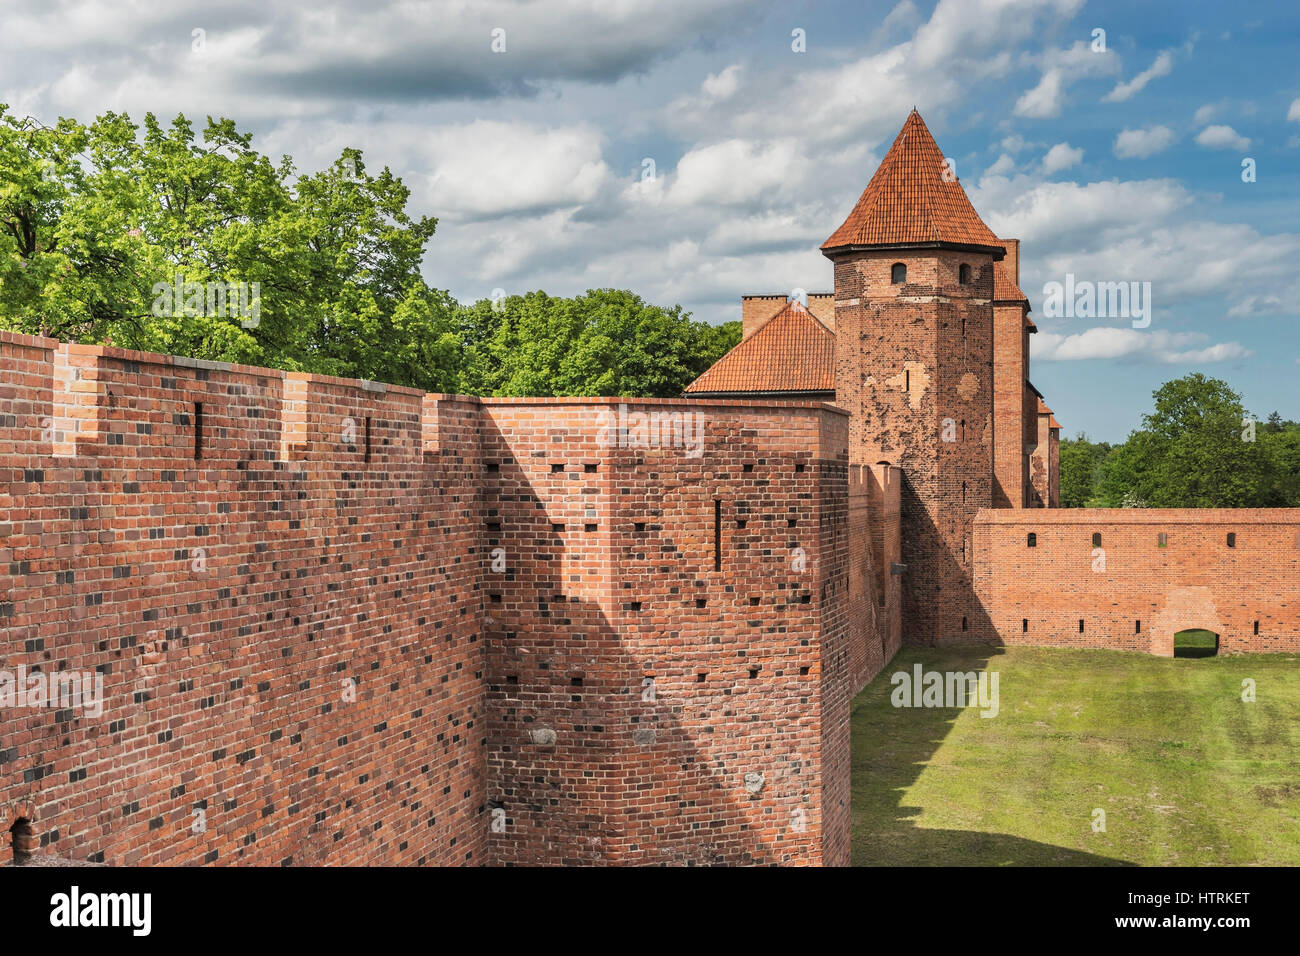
914	291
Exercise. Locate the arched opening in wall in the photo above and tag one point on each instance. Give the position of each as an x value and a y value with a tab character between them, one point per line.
1232	539
23	840
963	274
1096	539
898	273
1196	642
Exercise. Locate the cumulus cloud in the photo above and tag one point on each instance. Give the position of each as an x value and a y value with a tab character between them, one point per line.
487	168
1060	67
1293	114
1105	342
1141	143
1221	137
1061	156
1163	66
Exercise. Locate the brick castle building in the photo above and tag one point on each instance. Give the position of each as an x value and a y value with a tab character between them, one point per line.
259	617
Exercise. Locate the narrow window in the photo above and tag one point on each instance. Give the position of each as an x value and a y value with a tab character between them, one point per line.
1257	627
963	623
963	429
367	458
1032	540
963	327
1024	625
963	274
1232	539
907	380
198	430
1137	627
1080	625
717	534
1162	540
963	492
1096	539
898	273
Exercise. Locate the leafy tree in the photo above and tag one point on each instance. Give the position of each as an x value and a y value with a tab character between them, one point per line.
1080	470
605	342
1191	453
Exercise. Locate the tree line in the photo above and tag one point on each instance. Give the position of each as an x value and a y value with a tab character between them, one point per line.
1198	448
142	237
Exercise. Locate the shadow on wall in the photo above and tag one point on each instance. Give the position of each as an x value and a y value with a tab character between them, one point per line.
641	710
885	830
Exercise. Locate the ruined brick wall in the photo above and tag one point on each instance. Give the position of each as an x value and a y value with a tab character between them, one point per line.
285	623
914	364
668	635
1040	465
335	621
1133	593
875	547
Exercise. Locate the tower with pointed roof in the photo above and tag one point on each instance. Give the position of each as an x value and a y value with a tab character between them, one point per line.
914	290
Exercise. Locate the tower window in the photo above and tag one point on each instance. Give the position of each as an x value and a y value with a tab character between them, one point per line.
898	274
1232	539
1096	539
963	274
1032	540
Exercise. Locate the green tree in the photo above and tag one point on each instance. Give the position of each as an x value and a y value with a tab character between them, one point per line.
1193	452
1081	467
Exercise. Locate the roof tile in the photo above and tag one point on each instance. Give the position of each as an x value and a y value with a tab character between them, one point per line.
790	352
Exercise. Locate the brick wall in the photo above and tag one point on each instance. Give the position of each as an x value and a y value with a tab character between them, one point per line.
230	597
1131	592
757	309
914	367
362	624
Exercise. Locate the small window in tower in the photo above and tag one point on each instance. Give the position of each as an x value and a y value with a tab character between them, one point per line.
963	274
1096	539
1032	540
1232	539
898	274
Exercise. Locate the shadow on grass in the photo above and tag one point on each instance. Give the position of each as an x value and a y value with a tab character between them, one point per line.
892	747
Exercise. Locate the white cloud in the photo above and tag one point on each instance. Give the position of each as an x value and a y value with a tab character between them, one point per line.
1163	66
1061	156
1204	114
1044	100
1293	114
1106	342
490	168
1004	164
735	171
1141	143
721	85
1221	137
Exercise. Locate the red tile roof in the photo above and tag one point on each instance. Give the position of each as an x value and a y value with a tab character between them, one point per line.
1006	290
1044	410
911	199
790	352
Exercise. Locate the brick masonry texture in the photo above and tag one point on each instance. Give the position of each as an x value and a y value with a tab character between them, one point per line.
1134	589
344	623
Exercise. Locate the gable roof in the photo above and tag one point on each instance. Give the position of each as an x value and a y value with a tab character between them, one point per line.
790	352
1044	410
911	200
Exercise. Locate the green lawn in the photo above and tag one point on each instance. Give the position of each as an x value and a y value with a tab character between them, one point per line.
1186	772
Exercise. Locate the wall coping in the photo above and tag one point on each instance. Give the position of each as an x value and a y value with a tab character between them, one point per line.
1136	516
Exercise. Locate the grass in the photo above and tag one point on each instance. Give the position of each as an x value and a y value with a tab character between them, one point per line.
1196	643
1186	772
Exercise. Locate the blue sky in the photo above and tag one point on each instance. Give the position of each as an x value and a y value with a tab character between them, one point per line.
1115	166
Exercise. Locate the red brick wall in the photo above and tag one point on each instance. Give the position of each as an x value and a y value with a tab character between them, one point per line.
226	599
633	684
1038	595
909	356
231	600
757	309
1009	399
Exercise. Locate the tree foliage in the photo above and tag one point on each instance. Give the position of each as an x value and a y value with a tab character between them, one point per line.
98	222
1198	448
